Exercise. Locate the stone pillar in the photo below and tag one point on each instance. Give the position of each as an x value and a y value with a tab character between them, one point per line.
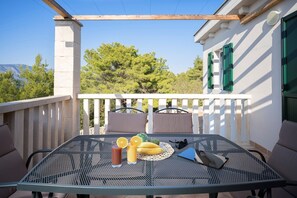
67	72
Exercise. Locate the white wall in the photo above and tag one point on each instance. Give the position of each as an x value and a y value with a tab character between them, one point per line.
257	70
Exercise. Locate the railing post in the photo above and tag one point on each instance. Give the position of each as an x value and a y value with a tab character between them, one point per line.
238	114
245	127
195	118
228	118
162	103
96	116
38	131
47	128
206	116
62	122
185	104
150	115
174	103
18	131
118	103
56	126
86	116
139	104
106	110
217	116
29	132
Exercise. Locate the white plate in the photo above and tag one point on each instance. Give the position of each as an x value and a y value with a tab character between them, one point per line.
168	151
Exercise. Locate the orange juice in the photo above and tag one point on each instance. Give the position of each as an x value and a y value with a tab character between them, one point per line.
131	154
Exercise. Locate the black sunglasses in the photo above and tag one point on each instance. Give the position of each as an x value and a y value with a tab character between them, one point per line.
180	144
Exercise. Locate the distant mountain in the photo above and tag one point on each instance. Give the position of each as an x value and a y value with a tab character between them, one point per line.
15	68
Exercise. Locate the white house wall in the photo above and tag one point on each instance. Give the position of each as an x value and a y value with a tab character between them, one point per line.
257	70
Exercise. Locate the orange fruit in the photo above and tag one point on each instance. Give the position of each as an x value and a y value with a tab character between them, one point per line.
136	140
122	142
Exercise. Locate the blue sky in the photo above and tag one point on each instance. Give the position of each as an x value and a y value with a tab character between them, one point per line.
27	29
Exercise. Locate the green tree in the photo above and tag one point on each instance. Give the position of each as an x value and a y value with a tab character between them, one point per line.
190	81
38	82
8	87
196	73
115	68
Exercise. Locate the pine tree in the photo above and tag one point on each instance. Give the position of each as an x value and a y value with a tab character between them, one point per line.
38	82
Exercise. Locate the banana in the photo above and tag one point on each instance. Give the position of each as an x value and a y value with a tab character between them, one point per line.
150	151
148	145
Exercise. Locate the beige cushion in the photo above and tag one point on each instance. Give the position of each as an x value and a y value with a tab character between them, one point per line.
12	166
172	123
126	122
6	142
283	160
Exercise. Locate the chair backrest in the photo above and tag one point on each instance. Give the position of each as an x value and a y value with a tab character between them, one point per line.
12	166
283	158
126	122
179	122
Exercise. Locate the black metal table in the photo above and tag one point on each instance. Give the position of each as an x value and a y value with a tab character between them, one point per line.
82	166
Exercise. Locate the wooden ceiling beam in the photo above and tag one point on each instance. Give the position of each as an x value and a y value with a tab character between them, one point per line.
59	9
151	17
266	6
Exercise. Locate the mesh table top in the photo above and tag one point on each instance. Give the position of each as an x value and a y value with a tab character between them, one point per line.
82	165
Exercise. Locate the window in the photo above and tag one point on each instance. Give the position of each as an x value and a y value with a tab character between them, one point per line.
221	55
209	71
228	67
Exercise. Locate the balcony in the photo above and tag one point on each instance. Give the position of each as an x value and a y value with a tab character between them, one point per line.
46	122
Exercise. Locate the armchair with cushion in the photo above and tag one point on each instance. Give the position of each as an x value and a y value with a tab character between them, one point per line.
283	160
13	168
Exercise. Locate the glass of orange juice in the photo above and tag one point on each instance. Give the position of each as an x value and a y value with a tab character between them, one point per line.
135	141
131	154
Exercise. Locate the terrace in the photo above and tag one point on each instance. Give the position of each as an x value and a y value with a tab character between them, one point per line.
48	122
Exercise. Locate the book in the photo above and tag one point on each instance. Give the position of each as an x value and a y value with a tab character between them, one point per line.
204	158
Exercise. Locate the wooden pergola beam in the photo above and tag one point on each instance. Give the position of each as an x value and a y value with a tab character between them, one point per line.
59	9
259	11
151	17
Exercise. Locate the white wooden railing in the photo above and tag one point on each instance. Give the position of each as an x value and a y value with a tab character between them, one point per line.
224	114
35	123
39	123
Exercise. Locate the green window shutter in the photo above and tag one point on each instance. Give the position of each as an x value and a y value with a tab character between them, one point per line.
228	67
209	70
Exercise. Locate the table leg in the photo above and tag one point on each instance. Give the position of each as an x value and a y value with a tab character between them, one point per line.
36	195
269	194
213	195
82	196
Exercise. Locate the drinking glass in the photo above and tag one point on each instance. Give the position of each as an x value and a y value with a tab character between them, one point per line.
131	154
116	156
